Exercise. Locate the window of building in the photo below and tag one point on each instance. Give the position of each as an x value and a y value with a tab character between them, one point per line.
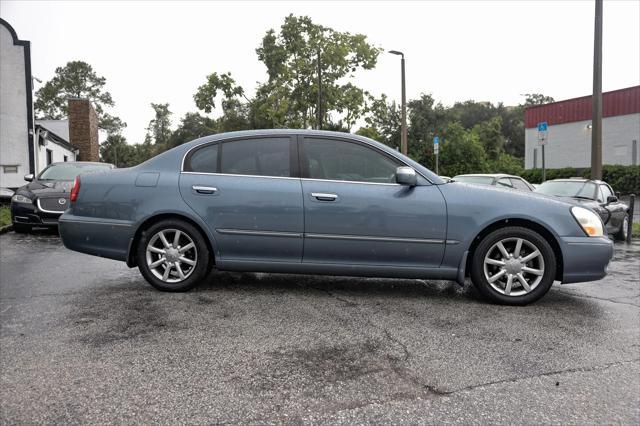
10	169
65	158
203	160
259	157
49	157
341	160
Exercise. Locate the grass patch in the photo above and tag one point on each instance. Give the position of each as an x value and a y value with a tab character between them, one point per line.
5	215
635	232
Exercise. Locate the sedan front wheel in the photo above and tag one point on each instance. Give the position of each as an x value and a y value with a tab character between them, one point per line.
513	266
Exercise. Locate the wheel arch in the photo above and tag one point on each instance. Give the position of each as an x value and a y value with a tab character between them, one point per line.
525	223
148	222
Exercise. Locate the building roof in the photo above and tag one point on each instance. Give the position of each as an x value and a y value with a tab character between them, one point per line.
59	127
614	103
55	137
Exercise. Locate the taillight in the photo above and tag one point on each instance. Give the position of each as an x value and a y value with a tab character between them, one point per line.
75	189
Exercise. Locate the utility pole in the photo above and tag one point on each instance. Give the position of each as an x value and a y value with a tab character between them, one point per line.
319	106
596	120
403	134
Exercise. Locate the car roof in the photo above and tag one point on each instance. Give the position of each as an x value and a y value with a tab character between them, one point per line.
493	175
596	181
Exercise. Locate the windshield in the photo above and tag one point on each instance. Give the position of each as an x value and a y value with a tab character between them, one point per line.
69	171
481	180
559	188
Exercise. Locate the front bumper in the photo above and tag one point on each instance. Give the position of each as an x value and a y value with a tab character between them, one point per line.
29	214
585	258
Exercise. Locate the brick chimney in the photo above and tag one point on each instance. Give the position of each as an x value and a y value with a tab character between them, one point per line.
83	129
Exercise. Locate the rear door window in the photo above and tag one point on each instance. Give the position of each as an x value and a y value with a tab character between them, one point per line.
203	160
258	157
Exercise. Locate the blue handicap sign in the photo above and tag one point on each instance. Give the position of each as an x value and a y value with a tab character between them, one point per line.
436	140
542	126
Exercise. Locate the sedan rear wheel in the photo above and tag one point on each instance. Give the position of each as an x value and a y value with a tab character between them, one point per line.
173	256
513	266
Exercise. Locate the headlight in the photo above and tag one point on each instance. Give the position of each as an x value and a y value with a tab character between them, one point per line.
589	221
21	199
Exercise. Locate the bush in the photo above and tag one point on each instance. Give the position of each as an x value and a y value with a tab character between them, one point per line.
623	179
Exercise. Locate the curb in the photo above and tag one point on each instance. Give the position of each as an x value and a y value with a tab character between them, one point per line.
5	229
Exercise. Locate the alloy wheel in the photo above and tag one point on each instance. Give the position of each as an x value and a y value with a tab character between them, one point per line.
171	255
514	266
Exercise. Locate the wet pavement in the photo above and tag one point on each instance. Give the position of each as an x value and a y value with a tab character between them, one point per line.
86	340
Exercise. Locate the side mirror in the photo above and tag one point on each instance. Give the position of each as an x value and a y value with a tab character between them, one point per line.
612	199
406	176
29	177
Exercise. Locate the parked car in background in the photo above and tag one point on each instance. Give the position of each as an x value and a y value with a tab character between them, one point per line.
252	200
46	197
5	195
598	196
499	180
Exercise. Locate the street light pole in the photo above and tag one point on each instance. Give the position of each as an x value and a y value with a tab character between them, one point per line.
319	106
403	134
596	119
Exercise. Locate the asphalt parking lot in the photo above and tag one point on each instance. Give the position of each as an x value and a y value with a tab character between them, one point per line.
86	340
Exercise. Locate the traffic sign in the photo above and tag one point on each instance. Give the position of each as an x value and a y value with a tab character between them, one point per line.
436	140
436	145
542	126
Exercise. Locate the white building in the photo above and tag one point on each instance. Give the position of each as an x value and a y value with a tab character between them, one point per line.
568	142
26	145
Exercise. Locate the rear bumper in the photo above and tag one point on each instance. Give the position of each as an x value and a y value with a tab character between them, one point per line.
585	258
98	237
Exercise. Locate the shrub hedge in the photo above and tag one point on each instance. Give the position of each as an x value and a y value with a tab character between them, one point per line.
623	179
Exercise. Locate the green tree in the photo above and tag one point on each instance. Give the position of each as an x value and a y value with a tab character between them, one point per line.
159	129
116	150
536	99
292	57
76	79
192	126
460	152
489	134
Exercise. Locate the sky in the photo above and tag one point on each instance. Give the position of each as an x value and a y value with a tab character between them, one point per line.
485	51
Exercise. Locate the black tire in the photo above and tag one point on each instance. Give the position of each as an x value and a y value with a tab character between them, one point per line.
621	235
531	240
201	256
20	228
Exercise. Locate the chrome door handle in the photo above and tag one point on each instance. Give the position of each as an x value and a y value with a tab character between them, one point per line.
321	196
204	189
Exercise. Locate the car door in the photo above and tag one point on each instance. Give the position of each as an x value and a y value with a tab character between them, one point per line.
355	213
249	194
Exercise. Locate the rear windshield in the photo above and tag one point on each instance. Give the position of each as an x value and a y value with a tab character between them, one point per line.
69	171
575	189
480	180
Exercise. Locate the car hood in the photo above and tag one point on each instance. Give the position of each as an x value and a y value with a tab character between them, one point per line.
48	187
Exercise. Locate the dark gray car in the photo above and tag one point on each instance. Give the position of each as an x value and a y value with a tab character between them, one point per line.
313	202
598	196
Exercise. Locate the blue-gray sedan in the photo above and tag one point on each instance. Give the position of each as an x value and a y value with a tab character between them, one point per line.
313	202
